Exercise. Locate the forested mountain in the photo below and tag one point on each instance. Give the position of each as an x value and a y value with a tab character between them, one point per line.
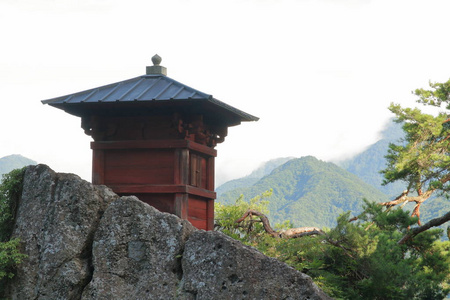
265	169
317	192
368	164
309	192
15	161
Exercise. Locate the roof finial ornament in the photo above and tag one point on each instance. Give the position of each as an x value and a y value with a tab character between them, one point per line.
156	59
156	69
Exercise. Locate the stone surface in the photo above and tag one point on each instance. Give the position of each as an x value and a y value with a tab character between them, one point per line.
137	253
57	217
218	267
84	242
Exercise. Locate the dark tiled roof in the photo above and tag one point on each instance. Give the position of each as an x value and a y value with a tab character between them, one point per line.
143	89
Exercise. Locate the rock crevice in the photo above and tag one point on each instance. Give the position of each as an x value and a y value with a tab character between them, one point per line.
85	242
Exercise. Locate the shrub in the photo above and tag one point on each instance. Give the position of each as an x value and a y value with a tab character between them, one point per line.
10	256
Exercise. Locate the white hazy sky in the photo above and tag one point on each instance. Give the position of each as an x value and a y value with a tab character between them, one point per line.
320	74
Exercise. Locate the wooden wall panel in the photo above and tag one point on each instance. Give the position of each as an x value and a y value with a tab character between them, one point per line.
210	214
139	166
197	212
199	224
162	202
174	176
199	172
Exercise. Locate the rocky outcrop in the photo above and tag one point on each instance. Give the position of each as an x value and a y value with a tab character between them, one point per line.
57	217
85	242
218	267
137	253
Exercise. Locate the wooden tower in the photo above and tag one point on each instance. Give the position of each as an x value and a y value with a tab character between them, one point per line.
154	138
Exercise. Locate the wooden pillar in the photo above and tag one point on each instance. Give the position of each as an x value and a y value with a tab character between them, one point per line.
181	205
210	186
98	166
181	177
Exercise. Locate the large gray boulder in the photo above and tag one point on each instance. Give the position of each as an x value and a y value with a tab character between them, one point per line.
137	253
84	242
218	267
57	217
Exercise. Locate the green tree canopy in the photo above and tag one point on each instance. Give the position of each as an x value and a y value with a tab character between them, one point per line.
421	160
10	256
359	259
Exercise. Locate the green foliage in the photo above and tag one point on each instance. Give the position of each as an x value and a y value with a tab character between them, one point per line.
362	259
10	192
422	161
439	94
248	230
9	257
368	262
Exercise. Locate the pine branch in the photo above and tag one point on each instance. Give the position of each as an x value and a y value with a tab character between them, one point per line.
432	223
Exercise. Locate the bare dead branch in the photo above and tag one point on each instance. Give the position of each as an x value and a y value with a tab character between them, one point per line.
301	231
307	233
400	199
263	218
290	233
293	232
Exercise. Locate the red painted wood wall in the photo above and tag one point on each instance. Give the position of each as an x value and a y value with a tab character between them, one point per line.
164	168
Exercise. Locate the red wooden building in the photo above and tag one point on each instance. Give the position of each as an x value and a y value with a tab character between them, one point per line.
154	138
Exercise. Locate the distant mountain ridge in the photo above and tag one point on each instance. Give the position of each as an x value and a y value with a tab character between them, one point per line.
309	192
263	170
14	161
329	189
368	164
